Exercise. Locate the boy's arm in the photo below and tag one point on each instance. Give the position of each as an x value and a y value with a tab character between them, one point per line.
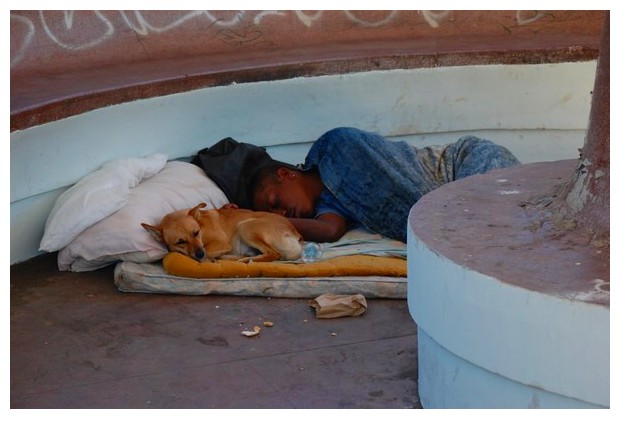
326	228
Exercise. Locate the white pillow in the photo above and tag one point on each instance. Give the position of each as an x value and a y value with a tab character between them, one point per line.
120	236
95	197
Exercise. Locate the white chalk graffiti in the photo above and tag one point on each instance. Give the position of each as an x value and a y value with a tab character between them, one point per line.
68	21
535	16
601	285
258	18
21	49
433	17
353	17
61	27
142	26
306	19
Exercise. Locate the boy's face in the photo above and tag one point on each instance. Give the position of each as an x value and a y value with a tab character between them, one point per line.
286	196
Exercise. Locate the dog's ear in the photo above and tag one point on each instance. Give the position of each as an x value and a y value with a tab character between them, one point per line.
155	232
195	212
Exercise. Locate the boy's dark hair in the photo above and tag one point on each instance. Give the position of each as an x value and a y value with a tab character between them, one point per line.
235	168
263	177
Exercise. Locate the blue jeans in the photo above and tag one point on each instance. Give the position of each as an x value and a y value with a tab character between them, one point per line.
379	180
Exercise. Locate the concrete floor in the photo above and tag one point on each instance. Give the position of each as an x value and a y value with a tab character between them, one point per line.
77	342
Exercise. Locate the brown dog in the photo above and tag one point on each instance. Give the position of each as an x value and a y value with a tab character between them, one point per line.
228	233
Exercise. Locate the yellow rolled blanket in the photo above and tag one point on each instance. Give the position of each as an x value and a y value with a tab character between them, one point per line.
351	265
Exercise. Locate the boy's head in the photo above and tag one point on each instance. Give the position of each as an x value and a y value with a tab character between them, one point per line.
233	167
283	190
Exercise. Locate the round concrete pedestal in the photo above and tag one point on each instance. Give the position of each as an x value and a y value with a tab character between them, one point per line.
511	312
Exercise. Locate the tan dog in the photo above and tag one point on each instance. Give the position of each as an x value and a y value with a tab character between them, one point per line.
228	233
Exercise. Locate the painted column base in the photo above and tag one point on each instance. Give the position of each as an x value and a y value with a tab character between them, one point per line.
447	381
511	313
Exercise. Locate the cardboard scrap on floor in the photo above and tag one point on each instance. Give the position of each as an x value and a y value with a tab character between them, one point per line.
329	306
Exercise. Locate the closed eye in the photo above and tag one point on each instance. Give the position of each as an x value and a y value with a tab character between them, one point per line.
274	204
181	242
196	233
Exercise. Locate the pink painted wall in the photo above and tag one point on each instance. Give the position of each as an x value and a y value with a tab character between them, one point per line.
58	41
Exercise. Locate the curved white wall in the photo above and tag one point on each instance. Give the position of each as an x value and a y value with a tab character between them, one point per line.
539	111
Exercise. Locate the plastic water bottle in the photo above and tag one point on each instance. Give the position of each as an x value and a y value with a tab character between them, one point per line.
311	252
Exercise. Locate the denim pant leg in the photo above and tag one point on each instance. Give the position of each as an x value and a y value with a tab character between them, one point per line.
472	155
